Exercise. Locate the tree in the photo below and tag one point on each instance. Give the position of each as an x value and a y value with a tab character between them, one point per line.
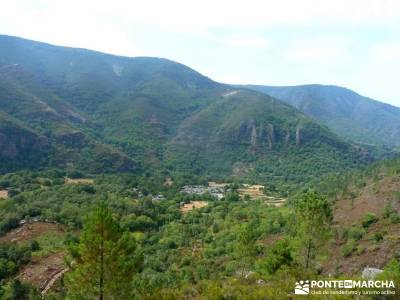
232	197
245	249
278	255
103	262
313	217
16	291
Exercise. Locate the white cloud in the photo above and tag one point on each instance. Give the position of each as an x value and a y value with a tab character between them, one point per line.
228	38
247	41
322	50
197	15
388	52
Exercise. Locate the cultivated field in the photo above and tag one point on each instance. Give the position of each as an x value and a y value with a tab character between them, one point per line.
79	181
3	194
256	192
187	207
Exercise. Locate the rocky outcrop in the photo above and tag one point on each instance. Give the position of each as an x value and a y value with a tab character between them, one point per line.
298	135
15	142
370	273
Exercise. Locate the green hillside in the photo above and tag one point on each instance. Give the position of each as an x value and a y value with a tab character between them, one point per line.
345	112
247	134
101	112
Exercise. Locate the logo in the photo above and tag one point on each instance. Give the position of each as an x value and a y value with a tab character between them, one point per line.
345	287
302	287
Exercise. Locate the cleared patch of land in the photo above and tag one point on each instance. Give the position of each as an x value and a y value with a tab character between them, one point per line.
213	184
31	231
231	93
79	181
254	191
257	192
168	181
44	273
187	207
47	264
3	194
370	197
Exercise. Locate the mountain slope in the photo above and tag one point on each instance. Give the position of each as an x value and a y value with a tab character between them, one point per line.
104	112
247	133
41	130
345	112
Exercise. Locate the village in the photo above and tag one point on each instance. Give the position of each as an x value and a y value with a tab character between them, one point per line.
218	191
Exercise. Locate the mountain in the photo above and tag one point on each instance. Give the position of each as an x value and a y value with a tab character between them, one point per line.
345	112
246	133
97	112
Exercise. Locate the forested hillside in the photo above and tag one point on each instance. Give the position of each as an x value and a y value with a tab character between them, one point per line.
139	178
236	246
103	113
345	112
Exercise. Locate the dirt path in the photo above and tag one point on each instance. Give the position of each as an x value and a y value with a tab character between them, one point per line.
52	281
41	273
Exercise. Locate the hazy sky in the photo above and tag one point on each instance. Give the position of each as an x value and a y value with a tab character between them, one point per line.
351	43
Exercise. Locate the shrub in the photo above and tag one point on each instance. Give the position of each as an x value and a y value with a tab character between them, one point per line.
355	233
368	220
35	246
348	248
394	218
377	236
388	210
278	255
360	250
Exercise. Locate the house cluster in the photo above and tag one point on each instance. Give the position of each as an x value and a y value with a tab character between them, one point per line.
216	192
158	197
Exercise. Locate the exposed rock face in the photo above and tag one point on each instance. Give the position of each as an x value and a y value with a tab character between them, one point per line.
257	134
370	273
253	139
287	137
72	139
298	135
270	135
14	142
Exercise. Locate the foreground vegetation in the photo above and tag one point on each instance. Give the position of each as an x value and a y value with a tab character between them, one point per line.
233	248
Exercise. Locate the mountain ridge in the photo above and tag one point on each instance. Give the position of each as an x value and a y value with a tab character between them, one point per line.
344	111
156	114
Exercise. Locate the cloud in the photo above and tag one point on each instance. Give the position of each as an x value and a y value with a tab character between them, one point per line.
321	50
354	43
199	15
247	41
388	52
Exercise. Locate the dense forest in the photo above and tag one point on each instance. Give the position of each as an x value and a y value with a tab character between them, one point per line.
233	248
140	178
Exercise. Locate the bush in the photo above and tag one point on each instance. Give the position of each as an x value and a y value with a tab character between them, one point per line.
278	255
355	233
377	236
394	218
388	210
35	246
360	250
232	197
368	220
348	248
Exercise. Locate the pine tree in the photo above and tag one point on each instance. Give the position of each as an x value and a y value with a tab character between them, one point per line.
313	217
102	264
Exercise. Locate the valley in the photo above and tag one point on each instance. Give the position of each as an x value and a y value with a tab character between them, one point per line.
186	188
